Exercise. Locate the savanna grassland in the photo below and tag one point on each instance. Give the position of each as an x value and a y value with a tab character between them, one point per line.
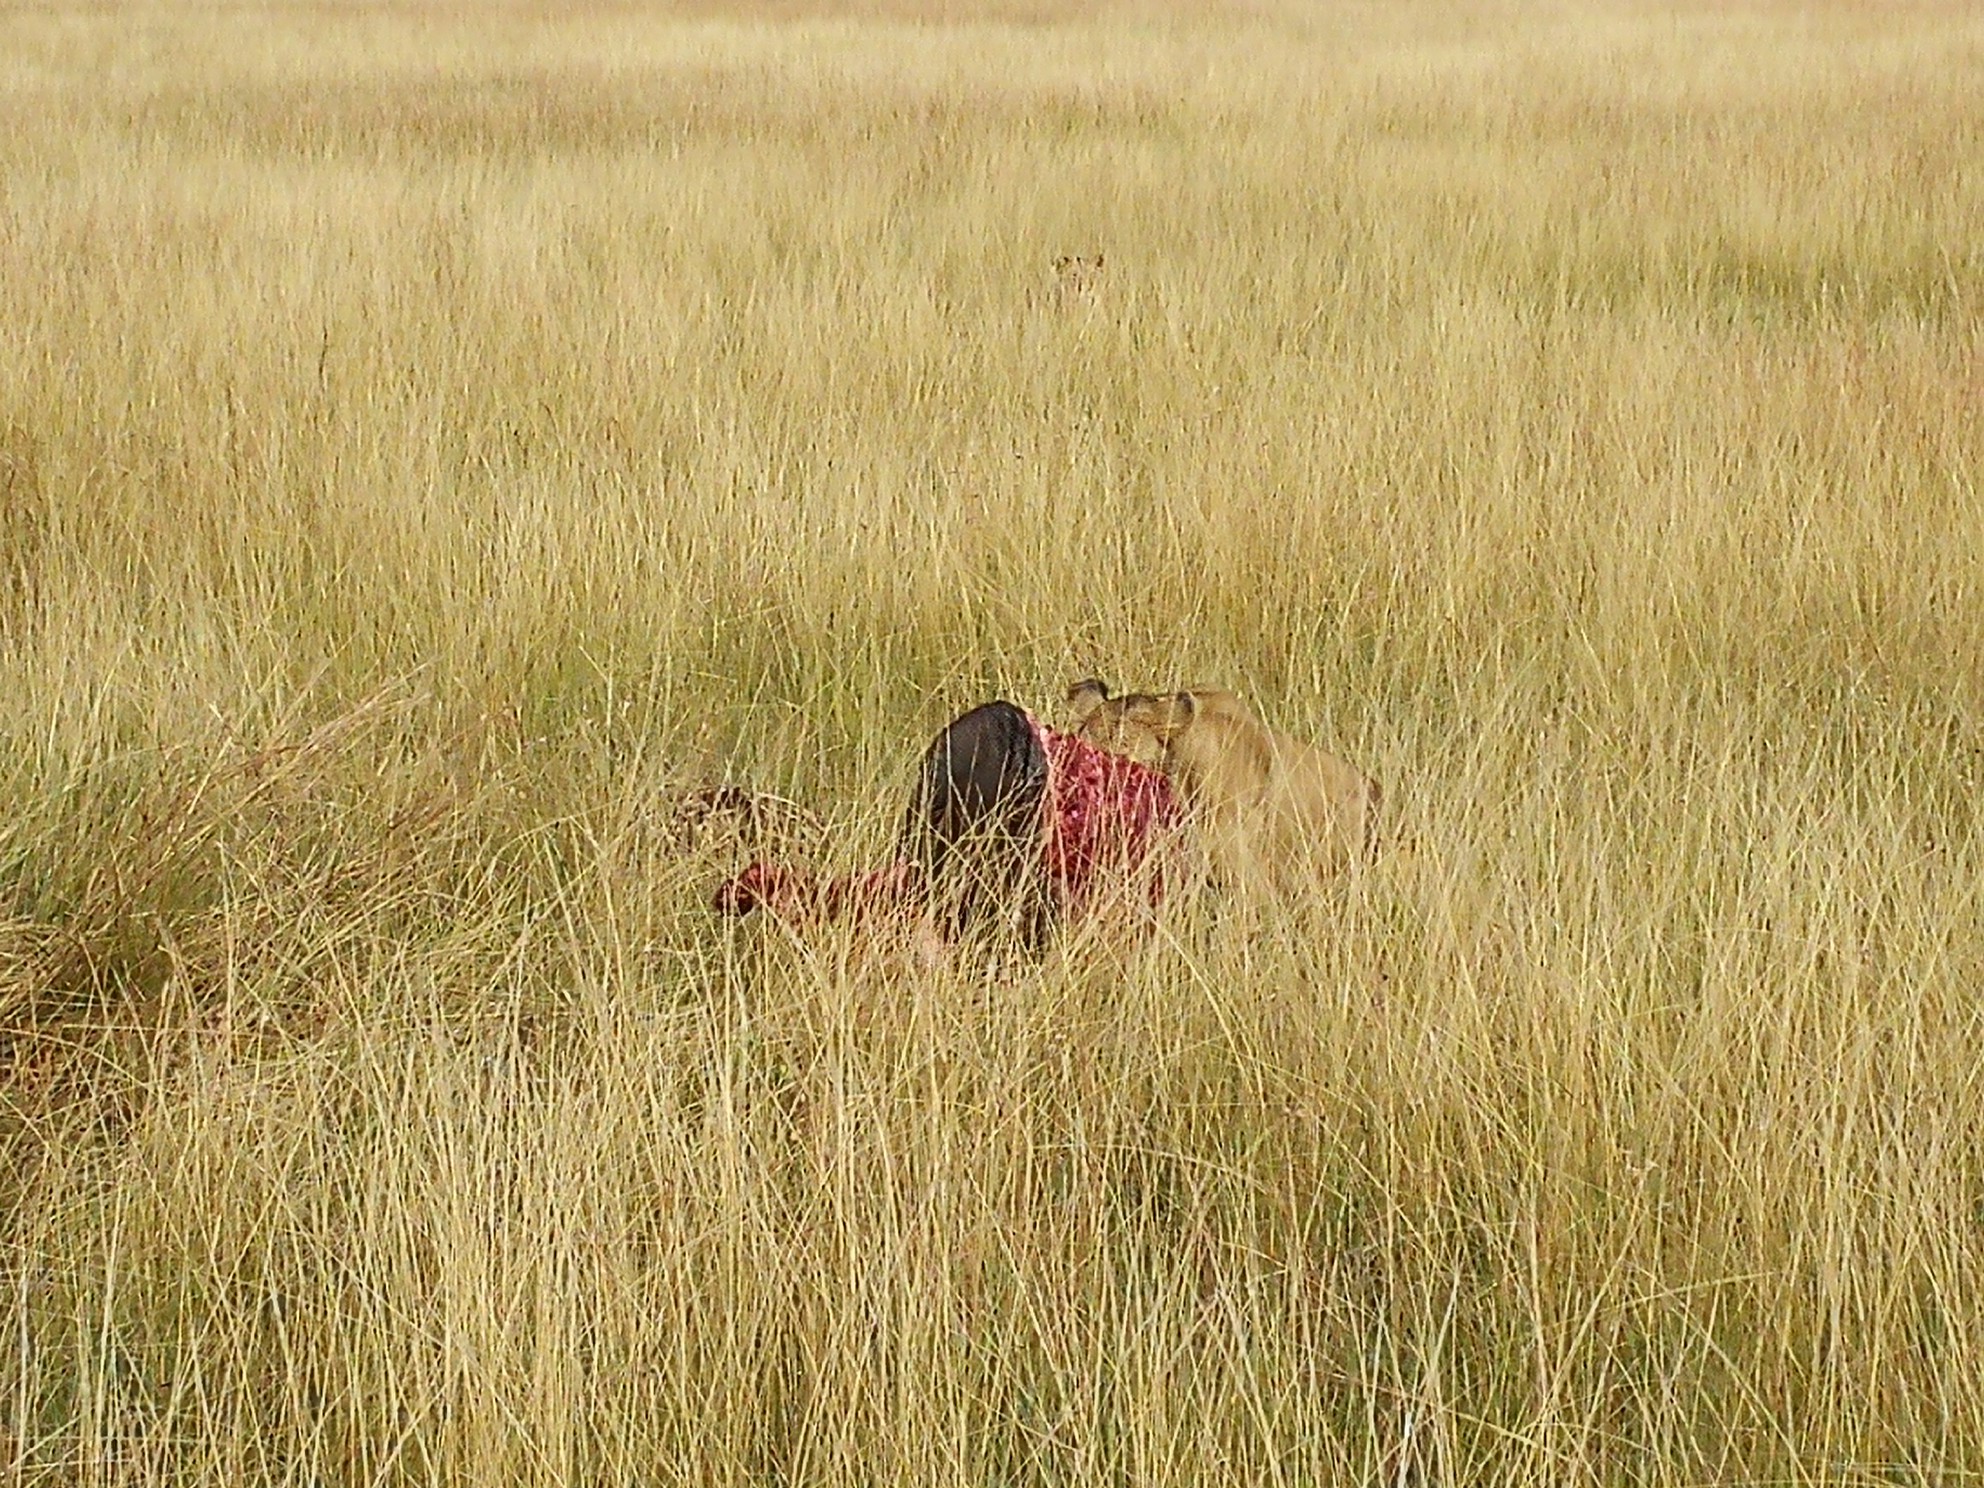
433	439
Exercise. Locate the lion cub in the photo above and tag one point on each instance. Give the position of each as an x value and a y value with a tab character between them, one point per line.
1267	804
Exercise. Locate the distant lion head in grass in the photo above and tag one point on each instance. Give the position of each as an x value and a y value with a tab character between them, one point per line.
1078	278
1266	803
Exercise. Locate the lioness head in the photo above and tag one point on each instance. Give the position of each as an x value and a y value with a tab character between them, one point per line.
1077	277
1142	725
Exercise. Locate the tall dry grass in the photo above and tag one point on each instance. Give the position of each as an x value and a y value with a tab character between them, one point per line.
431	437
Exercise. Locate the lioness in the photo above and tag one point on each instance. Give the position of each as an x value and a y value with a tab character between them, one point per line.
1077	279
1266	804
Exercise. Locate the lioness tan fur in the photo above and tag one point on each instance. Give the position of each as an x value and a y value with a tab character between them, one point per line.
1268	806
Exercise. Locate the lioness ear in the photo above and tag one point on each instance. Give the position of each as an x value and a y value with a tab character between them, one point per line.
1085	697
1220	700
